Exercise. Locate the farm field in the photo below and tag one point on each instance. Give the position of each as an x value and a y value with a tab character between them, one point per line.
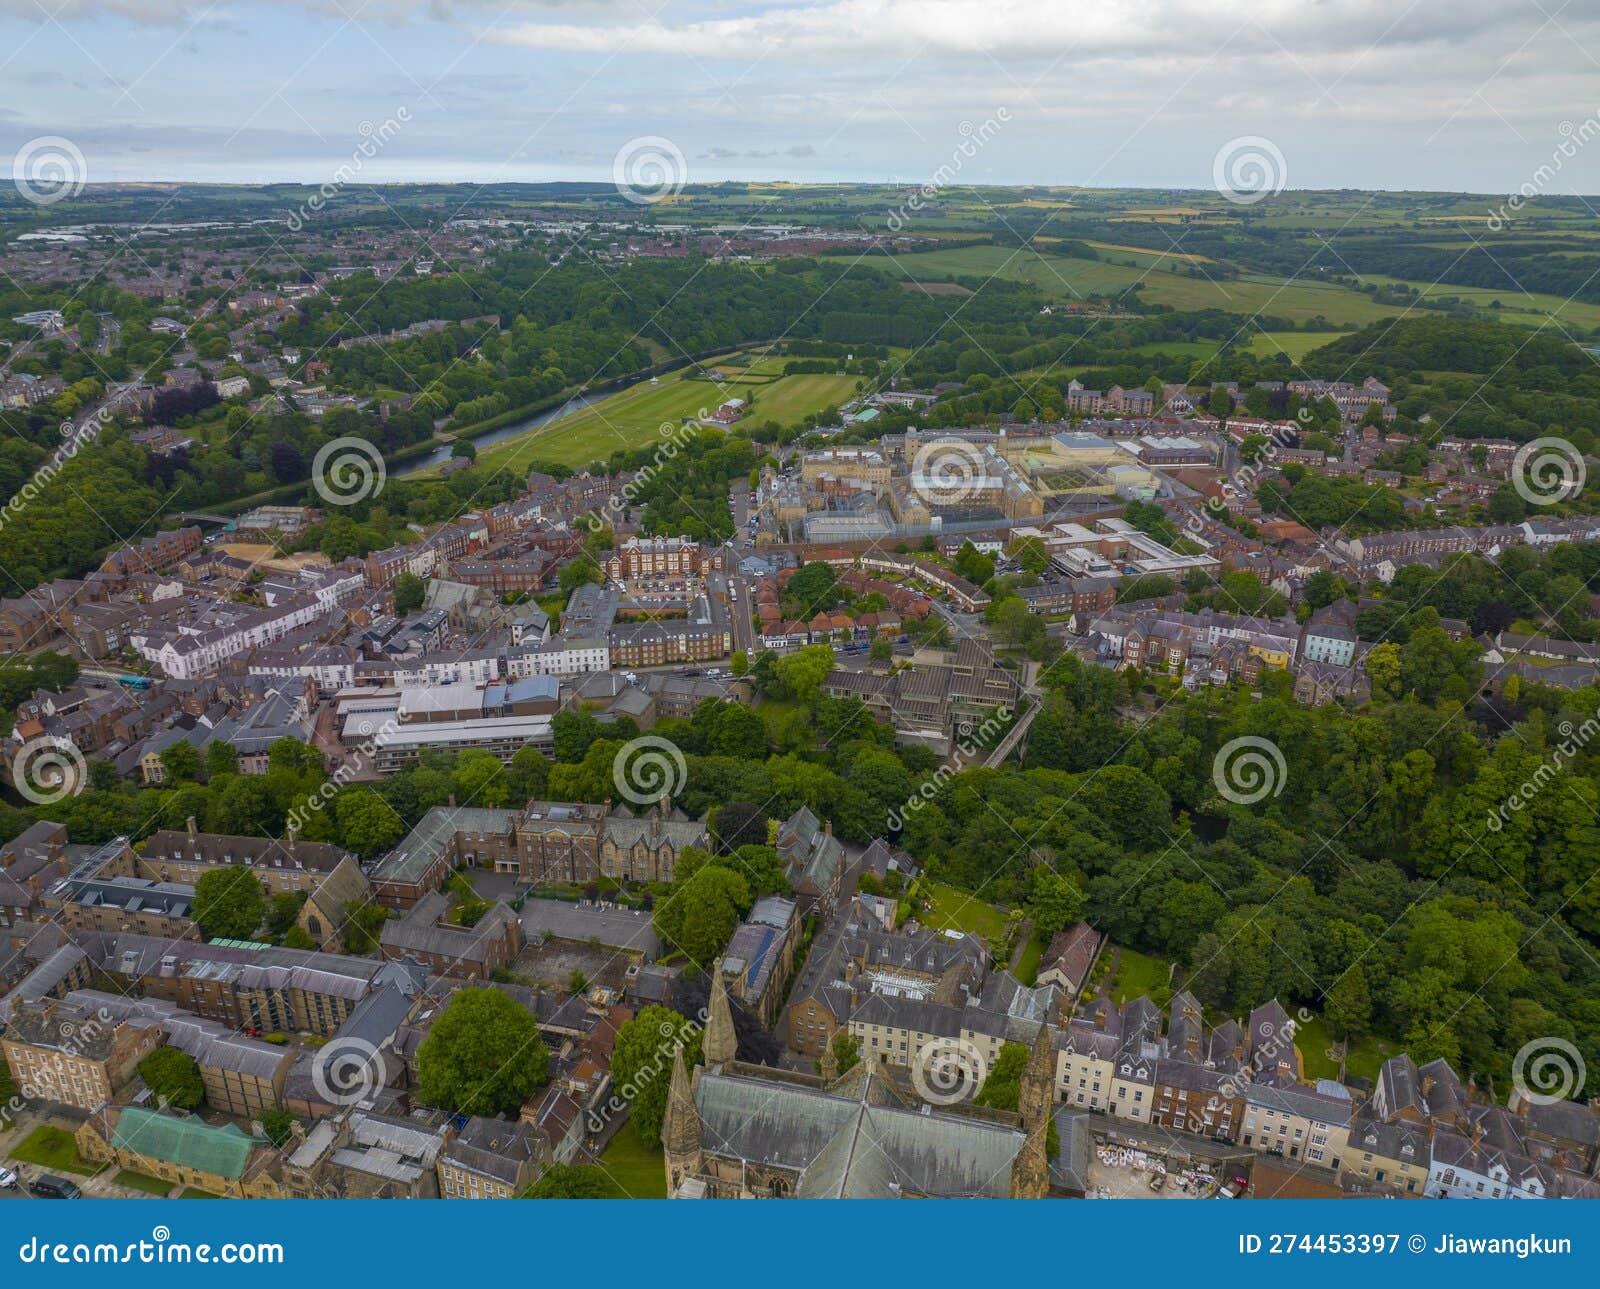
1065	278
634	416
1515	306
1296	344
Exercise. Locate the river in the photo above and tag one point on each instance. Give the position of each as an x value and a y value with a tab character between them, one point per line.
441	454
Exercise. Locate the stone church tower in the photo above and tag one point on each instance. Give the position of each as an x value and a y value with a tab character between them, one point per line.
1030	1170
680	1128
720	1044
1036	1097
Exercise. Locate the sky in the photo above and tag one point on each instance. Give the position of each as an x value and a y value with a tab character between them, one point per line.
1456	95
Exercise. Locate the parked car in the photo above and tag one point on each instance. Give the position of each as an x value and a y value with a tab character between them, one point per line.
48	1186
8	1179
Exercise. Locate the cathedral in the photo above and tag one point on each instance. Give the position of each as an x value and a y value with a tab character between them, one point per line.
737	1131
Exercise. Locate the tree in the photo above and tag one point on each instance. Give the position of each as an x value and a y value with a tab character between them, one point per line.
1002	1089
221	759
409	592
641	1065
483	1057
367	822
739	663
1348	1006
181	762
229	903
278	1124
174	1078
739	823
570	1181
1382	666
1054	902
846	1050
699	914
283	909
803	671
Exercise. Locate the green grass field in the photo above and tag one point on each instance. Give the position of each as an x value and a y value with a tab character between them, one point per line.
632	1169
143	1182
1525	308
1065	278
634	416
1312	1040
1028	963
55	1149
1297	344
1136	974
955	910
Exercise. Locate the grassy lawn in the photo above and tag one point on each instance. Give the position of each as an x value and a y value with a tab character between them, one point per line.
1312	1040
54	1149
1137	974
634	417
1028	963
955	910
142	1182
1296	344
632	1169
191	1193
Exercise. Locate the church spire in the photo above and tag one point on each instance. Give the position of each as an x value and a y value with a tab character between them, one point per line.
680	1127
1036	1095
830	1064
1030	1170
721	1045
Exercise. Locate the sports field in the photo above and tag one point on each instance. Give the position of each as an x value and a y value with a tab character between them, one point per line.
635	416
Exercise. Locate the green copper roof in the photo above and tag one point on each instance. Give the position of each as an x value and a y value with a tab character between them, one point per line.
188	1143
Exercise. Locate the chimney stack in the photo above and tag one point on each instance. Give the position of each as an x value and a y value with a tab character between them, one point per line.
189	823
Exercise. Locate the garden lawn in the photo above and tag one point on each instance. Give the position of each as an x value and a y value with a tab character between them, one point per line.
633	1170
955	910
1028	963
54	1149
142	1182
1137	974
